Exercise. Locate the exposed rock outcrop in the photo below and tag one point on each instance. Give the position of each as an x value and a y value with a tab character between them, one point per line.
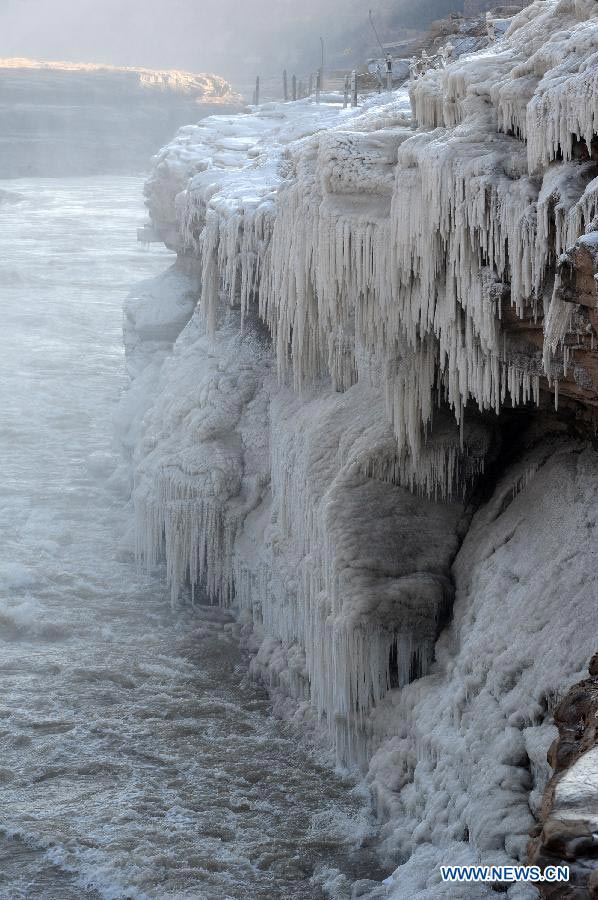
568	830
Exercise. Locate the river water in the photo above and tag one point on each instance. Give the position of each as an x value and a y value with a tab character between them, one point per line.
137	760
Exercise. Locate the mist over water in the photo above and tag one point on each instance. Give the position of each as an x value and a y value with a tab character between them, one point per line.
137	758
231	39
223	36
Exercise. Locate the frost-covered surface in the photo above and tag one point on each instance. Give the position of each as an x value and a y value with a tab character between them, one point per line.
206	463
154	315
318	424
469	741
392	246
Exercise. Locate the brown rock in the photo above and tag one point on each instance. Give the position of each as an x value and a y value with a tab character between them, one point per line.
524	337
566	833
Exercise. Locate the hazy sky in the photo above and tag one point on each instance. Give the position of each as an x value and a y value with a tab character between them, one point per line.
199	35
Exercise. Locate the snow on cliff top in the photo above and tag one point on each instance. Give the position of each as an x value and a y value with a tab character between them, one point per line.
236	162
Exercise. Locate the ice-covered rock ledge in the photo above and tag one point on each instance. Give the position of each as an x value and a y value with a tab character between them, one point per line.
64	119
351	441
568	829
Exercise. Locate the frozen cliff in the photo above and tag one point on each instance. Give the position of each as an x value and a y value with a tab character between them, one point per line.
373	437
64	119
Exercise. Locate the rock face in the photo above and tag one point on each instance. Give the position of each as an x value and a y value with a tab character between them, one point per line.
569	813
60	119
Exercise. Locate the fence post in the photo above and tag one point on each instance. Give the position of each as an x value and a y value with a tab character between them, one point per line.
257	91
294	87
347	89
311	83
318	85
285	86
354	88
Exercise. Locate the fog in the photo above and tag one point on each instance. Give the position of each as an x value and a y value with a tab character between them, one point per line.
223	36
216	35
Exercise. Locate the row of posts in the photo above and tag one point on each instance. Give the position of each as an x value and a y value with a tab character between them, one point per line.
298	88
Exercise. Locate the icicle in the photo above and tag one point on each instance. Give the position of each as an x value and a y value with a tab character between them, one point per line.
556	325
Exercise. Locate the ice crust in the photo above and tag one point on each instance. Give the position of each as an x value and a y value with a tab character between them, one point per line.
465	764
307	444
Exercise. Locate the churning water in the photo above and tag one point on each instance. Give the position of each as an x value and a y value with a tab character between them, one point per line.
136	758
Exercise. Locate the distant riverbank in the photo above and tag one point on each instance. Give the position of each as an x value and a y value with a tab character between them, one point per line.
63	119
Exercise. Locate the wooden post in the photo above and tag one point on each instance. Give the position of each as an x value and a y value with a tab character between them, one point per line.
311	83
285	86
318	85
294	87
257	91
353	88
347	89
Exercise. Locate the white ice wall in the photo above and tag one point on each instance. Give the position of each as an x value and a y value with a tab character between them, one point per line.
310	439
468	743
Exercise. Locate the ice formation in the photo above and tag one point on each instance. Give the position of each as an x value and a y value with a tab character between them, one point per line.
313	444
465	761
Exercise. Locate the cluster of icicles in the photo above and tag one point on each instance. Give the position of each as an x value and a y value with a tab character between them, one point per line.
402	281
418	291
323	613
